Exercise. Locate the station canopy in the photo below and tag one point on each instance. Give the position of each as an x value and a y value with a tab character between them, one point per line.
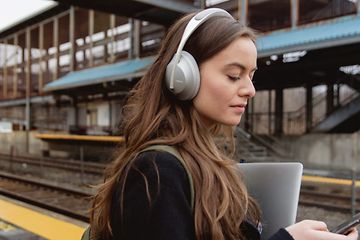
341	31
108	75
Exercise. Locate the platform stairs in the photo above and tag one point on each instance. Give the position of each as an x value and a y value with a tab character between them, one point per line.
345	117
251	147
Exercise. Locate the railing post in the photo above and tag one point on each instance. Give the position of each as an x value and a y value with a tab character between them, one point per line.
269	111
11	158
243	10
294	13
353	192
279	111
82	164
309	107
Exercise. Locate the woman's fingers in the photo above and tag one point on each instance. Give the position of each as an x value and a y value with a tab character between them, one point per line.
326	235
353	234
317	230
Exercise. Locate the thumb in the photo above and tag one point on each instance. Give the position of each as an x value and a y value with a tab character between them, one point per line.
318	225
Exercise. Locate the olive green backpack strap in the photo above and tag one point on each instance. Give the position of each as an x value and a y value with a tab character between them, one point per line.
173	151
86	234
161	148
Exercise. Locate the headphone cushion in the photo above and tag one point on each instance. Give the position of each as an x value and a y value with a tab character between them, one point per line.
186	77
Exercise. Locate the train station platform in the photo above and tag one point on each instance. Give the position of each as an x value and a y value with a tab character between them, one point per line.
21	221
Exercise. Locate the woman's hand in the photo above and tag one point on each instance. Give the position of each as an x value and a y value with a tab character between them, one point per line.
316	230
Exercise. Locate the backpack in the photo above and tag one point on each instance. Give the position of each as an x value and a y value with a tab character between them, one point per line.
161	148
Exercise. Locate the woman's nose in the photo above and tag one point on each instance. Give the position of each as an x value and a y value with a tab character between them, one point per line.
247	89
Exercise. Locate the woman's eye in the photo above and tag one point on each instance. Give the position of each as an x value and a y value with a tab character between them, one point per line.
233	78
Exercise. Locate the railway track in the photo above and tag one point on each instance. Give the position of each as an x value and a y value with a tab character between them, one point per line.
67	201
340	202
317	198
68	165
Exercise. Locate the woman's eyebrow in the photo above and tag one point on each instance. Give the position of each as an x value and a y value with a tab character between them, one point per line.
239	65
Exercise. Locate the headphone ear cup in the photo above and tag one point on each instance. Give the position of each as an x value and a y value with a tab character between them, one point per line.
186	77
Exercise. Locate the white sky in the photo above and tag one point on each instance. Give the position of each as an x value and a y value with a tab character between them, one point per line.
12	11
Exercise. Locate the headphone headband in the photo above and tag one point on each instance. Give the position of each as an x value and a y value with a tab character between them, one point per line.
193	24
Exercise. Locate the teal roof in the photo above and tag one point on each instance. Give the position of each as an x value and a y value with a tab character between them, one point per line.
112	72
331	33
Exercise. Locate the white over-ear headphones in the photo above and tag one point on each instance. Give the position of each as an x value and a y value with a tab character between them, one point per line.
182	73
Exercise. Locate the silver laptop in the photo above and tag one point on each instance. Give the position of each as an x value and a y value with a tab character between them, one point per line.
276	187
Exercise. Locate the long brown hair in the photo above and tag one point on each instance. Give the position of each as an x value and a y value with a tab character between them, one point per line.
152	115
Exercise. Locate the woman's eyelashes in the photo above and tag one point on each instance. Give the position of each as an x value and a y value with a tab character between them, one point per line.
233	78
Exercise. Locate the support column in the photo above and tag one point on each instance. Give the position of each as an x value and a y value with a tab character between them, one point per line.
91	33
279	111
294	13
72	39
28	89
5	74
135	38
84	62
56	45
243	11
309	107
247	118
337	95
110	117
23	66
15	79
76	112
47	71
329	98
252	106
269	111
106	55
112	38
202	4
41	49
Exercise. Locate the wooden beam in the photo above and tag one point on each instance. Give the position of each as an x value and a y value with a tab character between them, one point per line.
84	62
41	49
72	39
112	38
23	63
57	48
5	75
91	33
28	90
202	4
106	55
294	8
47	63
15	79
28	63
135	38
243	11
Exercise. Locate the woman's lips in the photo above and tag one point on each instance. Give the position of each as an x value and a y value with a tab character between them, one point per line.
239	108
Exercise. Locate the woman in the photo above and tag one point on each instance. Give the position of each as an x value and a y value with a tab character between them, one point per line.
148	195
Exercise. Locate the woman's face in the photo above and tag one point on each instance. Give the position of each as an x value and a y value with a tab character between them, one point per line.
226	83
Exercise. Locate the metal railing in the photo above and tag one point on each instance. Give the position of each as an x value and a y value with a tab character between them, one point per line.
294	122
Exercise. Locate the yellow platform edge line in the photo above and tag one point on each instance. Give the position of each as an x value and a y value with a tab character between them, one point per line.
338	181
39	224
79	137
